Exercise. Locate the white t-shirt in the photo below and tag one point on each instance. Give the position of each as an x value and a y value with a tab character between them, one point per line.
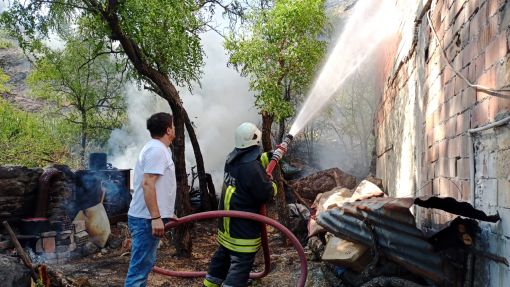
155	158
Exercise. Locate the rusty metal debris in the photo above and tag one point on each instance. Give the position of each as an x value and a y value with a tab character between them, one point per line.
397	236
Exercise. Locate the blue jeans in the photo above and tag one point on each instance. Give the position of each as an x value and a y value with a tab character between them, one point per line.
143	251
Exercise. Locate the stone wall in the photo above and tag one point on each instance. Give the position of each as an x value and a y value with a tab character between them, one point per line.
422	142
19	187
18	191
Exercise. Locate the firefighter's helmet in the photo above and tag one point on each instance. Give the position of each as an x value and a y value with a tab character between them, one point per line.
247	134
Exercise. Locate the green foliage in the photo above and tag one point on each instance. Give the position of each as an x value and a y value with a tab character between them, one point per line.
166	32
3	80
86	87
279	50
32	140
5	44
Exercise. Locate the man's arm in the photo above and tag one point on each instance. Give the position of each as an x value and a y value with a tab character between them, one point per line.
149	194
263	187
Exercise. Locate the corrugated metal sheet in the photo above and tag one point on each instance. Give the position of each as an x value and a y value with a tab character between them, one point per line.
395	229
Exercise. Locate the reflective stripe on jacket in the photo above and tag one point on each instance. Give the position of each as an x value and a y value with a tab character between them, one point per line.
246	187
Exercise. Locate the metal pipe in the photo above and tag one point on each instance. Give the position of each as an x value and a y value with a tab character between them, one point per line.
244	215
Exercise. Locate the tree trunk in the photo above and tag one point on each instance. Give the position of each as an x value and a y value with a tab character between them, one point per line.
182	240
206	203
212	192
162	82
83	138
281	205
267	122
281	130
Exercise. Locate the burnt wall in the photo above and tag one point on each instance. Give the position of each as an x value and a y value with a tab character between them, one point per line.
19	188
422	141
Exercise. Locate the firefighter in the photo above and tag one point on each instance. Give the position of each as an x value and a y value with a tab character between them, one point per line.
246	187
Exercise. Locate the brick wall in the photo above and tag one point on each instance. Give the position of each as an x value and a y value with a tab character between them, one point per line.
422	143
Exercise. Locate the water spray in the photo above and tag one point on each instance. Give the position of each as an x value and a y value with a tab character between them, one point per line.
280	151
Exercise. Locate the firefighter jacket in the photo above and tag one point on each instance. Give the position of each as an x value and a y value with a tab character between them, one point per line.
246	187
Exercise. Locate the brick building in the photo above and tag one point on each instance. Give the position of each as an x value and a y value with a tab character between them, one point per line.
431	124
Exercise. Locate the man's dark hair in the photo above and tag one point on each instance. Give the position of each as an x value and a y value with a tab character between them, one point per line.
158	123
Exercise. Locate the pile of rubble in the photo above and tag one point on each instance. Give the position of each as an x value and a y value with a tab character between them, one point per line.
363	237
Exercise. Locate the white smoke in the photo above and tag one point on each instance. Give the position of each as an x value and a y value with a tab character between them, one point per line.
216	108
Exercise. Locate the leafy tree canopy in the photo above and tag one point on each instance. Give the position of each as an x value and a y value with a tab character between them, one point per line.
86	87
166	32
280	48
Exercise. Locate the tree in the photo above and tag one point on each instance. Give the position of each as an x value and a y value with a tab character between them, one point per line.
350	118
86	87
279	50
160	39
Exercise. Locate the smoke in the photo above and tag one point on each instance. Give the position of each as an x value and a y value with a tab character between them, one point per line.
216	108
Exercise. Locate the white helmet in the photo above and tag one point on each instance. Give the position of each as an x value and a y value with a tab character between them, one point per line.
247	134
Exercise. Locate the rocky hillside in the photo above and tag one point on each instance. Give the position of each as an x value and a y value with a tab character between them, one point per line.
16	65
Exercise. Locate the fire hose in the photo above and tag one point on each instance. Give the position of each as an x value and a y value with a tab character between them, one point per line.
277	155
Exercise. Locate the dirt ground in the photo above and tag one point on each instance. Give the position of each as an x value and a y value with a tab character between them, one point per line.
108	268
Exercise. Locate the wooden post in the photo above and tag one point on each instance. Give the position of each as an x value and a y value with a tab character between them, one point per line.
24	257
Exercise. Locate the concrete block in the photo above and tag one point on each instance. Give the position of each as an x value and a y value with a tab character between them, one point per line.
453	148
439	132
435	186
503	137
493	7
81	238
496	50
451	126
431	171
468	98
480	114
465	187
465	147
502	227
463	168
460	85
79	226
502	164
463	122
504	192
48	244
442	148
497	106
480	64
486	194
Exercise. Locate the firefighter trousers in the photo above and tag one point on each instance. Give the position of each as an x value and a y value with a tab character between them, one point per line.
230	268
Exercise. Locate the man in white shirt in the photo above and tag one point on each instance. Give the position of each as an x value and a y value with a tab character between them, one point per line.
153	198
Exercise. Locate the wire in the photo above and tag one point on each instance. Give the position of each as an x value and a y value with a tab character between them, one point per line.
475	86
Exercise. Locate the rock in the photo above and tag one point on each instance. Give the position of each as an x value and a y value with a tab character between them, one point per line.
316	247
13	273
114	242
89	248
365	190
299	215
316	277
376	181
323	181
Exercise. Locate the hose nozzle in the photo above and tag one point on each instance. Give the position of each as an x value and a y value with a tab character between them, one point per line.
278	154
